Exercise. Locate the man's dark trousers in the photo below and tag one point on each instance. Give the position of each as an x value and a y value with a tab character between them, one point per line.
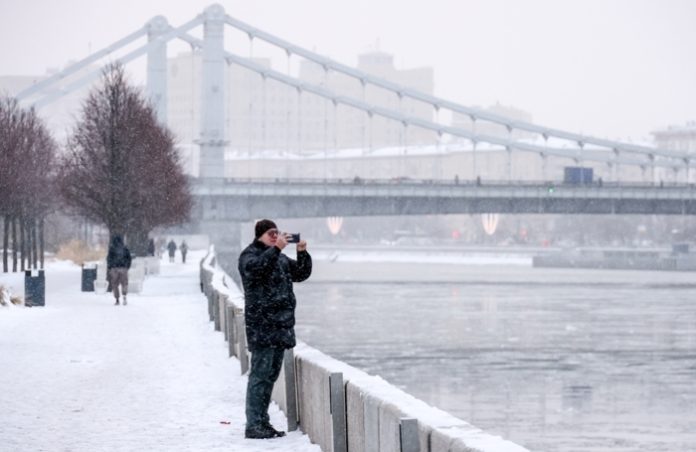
265	368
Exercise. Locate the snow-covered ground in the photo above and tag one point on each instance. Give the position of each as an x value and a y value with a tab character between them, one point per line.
83	375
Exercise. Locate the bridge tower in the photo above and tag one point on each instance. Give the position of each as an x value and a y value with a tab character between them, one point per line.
157	67
212	138
225	234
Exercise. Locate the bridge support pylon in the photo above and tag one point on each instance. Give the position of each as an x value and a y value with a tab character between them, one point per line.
212	138
157	67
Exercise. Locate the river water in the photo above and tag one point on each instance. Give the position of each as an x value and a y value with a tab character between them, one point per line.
553	359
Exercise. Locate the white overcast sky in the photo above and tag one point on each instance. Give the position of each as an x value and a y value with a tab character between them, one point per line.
610	68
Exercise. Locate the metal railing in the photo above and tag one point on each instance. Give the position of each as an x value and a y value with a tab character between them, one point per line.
439	182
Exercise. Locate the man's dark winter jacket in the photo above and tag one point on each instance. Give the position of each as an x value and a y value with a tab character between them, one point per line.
119	255
269	310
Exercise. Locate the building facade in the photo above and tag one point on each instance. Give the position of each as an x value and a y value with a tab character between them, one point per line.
263	114
677	138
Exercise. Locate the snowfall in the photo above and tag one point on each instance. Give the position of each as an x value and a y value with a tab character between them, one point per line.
82	374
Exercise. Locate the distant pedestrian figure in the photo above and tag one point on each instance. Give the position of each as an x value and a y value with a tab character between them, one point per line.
184	249
171	246
151	247
118	261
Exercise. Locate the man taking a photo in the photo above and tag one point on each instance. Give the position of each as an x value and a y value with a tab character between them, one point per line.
267	276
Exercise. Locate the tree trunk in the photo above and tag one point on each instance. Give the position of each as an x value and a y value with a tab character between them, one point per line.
14	244
5	242
41	241
27	231
22	244
34	242
30	243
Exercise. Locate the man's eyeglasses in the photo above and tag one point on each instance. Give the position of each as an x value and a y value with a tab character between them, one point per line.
272	232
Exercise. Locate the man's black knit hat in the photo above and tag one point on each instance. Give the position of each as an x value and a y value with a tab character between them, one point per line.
262	226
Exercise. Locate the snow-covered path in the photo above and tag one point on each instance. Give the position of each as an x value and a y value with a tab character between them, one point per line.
83	375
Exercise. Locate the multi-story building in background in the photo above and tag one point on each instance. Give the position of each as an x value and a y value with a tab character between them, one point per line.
263	114
681	138
677	138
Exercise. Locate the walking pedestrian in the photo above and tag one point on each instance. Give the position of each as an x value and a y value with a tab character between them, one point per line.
267	276
171	247
184	249
151	247
118	261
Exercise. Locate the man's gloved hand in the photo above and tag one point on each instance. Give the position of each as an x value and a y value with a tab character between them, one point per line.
302	245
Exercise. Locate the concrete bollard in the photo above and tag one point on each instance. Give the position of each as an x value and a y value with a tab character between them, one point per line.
222	312
337	393
230	331
408	435
241	335
226	321
216	310
290	390
210	306
136	276
371	419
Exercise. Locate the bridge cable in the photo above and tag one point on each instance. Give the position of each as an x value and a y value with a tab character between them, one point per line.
474	144
521	146
85	62
193	92
288	129
96	73
440	102
250	94
265	115
364	118
326	122
509	154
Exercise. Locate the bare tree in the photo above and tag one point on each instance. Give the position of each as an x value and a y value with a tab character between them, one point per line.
27	153
121	168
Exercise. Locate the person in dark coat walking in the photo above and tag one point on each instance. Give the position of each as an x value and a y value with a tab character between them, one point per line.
151	247
118	261
267	276
184	250
171	247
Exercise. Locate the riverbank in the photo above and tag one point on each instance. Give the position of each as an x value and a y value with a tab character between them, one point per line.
425	265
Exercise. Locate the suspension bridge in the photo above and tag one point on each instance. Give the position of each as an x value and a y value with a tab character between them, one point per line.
221	199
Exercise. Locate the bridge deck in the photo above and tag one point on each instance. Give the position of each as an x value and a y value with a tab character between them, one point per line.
246	199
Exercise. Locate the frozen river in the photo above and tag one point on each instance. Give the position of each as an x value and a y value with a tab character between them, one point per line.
555	360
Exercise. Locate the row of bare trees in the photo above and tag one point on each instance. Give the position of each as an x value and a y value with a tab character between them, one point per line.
27	167
119	169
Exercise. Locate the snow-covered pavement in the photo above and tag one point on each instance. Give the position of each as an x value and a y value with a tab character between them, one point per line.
83	375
